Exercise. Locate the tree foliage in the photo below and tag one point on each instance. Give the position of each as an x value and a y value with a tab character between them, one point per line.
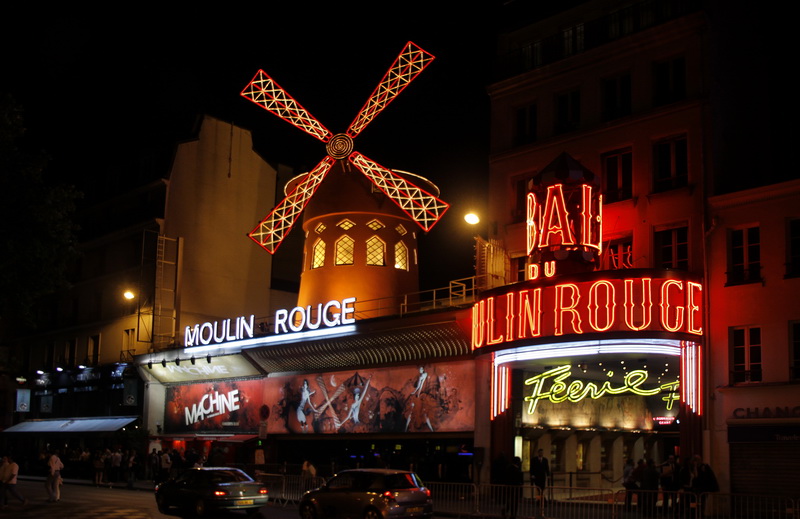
37	230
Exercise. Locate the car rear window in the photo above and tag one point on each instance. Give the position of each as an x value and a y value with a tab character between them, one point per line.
402	481
227	476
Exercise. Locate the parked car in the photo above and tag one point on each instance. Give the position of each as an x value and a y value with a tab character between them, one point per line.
200	490
368	494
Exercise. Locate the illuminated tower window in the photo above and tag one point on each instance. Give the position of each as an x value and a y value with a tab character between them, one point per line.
376	252
321	227
346	224
400	230
318	259
400	256
375	225
345	247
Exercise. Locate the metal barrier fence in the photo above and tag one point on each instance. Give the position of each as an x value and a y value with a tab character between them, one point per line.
523	502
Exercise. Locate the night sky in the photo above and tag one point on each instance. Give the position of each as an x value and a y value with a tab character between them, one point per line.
100	91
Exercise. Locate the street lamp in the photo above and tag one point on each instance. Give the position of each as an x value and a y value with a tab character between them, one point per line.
128	294
472	218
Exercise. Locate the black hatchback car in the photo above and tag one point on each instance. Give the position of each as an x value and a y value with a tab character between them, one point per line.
368	494
201	490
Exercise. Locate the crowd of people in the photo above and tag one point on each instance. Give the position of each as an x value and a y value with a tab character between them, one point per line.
679	484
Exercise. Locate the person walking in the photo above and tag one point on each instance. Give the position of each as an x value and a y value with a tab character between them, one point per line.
514	482
53	482
10	471
540	471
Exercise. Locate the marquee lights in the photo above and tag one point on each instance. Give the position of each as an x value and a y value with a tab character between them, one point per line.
604	305
501	389
554	385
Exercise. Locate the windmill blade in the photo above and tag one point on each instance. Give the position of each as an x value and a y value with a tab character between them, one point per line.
274	228
266	93
421	206
409	63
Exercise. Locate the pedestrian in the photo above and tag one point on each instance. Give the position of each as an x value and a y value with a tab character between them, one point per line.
154	466
514	481
99	464
10	472
540	471
630	483
53	482
131	464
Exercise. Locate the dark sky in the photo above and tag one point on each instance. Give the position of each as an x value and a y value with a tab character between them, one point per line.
98	90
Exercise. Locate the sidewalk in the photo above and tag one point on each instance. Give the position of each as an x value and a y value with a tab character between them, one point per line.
144	484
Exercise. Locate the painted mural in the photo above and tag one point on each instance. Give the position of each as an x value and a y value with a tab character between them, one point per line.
424	398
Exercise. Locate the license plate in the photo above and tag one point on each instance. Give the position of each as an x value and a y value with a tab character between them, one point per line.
414	510
245	502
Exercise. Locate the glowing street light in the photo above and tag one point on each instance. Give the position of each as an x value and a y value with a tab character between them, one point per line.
472	218
128	294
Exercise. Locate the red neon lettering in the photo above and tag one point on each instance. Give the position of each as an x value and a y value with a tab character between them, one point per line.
510	317
530	313
694	319
561	309
645	307
477	324
490	320
532	222
555	220
606	299
591	225
665	306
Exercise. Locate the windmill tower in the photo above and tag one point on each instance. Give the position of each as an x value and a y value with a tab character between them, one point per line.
360	224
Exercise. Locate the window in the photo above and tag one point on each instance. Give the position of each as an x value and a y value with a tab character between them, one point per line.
794	350
526	120
616	97
375	225
400	256
671	248
522	185
573	39
670	164
746	354
318	257
128	342
619	254
94	349
376	252
346	224
345	251
793	249
617	175
669	81
400	229
319	228
568	111
744	259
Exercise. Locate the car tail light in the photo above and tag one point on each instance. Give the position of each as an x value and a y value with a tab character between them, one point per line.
220	493
263	491
389	496
427	491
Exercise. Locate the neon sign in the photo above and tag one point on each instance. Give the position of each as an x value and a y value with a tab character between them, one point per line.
554	386
218	332
543	308
306	317
567	224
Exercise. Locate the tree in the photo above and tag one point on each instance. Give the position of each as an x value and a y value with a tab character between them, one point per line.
37	231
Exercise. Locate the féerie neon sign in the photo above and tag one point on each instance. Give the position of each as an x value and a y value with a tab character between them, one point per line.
554	386
619	302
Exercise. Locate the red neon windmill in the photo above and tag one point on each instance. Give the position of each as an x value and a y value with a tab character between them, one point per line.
423	207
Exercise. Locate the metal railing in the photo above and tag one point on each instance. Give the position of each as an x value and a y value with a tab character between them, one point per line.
555	502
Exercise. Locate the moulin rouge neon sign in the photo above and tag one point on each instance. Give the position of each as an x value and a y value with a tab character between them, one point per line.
647	303
553	385
566	225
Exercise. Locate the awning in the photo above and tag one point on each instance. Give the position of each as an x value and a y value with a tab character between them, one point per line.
72	425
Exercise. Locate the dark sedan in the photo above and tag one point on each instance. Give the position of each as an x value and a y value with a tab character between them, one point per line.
369	494
200	490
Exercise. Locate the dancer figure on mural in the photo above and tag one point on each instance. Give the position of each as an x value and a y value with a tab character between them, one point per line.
419	402
305	400
355	408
